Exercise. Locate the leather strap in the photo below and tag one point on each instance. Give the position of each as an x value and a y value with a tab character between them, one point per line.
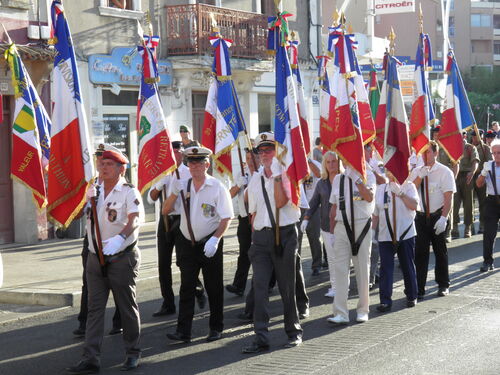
494	180
187	209
268	203
389	227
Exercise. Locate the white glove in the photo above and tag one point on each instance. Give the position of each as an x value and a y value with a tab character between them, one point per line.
486	169
113	245
303	225
242	181
352	174
374	164
276	168
91	192
395	188
423	171
176	186
440	225
211	247
159	185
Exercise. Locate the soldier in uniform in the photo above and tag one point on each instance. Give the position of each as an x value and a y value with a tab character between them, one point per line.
467	168
266	194
185	133
166	235
205	218
436	185
119	211
484	154
82	316
490	175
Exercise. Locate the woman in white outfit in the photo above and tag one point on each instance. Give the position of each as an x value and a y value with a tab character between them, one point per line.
330	167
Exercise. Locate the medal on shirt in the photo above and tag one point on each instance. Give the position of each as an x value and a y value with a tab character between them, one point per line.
208	210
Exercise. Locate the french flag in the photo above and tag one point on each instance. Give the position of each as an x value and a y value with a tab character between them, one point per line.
223	118
422	112
327	103
381	115
396	142
457	115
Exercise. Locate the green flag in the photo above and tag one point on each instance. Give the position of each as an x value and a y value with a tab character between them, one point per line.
374	95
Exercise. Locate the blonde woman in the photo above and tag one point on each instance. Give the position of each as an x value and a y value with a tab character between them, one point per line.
330	167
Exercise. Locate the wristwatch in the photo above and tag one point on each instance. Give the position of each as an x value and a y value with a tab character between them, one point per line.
359	181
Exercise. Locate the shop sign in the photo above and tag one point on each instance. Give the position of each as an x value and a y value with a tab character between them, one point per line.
124	67
394	6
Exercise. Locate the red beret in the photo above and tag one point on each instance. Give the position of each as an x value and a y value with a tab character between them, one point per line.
116	156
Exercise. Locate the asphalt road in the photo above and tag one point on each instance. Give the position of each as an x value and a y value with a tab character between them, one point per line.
458	334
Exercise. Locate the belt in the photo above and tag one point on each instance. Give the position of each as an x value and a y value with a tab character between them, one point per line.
437	212
493	196
269	229
113	258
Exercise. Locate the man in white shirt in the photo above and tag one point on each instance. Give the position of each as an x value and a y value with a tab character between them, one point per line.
204	220
490	175
266	195
436	185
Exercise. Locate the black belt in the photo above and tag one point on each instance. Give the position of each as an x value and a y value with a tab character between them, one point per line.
281	227
113	258
493	196
435	213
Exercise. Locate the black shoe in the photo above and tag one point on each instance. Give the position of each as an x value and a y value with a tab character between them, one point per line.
164	311
484	268
214	336
201	299
130	364
79	332
255	347
443	292
177	336
293	342
115	331
83	367
304	315
315	272
420	297
232	289
245	316
324	264
411	303
384	307
455	234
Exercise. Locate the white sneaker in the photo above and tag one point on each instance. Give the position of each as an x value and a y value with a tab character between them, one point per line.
330	293
362	317
338	319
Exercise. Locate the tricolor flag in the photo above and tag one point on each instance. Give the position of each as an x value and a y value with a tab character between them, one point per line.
27	154
381	113
326	104
348	140
422	112
70	164
288	134
457	115
294	63
397	143
374	92
156	157
223	119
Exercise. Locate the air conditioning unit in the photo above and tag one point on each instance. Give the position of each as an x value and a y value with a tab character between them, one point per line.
33	32
45	32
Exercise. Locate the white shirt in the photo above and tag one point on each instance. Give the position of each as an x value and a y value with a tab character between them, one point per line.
208	206
113	211
184	174
240	197
311	182
289	214
489	183
441	180
362	208
404	216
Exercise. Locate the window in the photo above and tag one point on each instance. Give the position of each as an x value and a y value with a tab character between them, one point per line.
496	21
480	20
451	26
124	98
121	8
266	113
496	48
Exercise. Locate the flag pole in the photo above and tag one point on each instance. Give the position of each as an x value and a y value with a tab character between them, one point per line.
277	229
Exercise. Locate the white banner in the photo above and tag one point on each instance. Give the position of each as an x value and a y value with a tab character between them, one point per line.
394	6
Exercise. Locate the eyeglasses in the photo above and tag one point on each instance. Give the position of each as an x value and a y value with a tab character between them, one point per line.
266	150
196	162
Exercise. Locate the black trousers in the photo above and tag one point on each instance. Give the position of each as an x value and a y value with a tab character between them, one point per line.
84	307
491	217
191	260
425	236
244	234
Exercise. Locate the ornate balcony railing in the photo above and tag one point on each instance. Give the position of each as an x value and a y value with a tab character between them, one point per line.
189	28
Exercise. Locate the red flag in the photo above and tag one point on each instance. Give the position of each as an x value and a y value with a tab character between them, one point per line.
327	104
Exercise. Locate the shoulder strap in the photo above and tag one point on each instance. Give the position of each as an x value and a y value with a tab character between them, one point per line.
342	208
268	203
187	209
387	220
493	177
92	220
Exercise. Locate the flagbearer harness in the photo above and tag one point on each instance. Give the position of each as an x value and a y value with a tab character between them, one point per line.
395	243
355	244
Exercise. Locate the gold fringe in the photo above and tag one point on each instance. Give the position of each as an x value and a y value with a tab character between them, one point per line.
157	178
65	198
52	41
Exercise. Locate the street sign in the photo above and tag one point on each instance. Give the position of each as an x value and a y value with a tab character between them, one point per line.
394	6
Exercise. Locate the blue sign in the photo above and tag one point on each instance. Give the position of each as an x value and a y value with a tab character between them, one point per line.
124	67
437	65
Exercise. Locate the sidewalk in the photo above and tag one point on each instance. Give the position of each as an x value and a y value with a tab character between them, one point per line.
49	274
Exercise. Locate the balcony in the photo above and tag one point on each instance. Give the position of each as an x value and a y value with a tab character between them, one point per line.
189	28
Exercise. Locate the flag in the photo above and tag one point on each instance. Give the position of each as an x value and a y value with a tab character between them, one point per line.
70	164
156	157
326	104
348	140
27	155
457	115
422	112
381	113
223	119
374	95
397	143
365	113
288	134
294	63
